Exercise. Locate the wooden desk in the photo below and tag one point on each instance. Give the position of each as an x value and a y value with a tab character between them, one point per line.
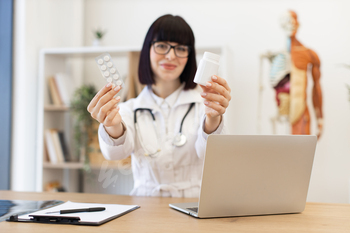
156	216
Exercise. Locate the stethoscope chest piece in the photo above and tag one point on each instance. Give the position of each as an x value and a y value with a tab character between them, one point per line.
179	140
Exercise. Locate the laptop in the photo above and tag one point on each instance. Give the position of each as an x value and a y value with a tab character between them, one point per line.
253	175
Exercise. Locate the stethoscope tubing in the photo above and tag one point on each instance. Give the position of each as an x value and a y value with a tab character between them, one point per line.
155	127
142	109
183	119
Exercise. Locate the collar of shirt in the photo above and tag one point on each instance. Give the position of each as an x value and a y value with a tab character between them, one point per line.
169	101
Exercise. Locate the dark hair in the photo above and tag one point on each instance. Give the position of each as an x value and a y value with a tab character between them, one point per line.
174	29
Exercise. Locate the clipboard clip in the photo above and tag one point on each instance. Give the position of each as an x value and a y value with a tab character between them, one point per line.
14	218
54	219
46	219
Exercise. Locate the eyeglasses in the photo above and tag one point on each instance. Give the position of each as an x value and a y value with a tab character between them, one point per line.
163	48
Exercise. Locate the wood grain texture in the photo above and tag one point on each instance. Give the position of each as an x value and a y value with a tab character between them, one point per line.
156	216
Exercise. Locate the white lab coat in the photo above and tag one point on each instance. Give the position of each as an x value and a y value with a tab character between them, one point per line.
175	171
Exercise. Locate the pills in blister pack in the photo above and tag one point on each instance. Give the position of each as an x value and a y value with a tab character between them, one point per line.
108	69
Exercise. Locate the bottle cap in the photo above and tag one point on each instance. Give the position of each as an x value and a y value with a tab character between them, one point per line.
212	56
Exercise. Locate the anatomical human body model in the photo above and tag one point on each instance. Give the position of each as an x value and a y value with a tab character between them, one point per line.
288	77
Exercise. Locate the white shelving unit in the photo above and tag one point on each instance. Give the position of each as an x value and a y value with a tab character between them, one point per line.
76	62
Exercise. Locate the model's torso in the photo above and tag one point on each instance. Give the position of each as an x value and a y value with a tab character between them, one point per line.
172	167
291	88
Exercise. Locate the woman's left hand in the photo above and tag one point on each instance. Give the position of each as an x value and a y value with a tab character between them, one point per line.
217	97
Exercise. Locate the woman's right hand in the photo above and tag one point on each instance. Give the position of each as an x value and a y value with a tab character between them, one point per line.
103	107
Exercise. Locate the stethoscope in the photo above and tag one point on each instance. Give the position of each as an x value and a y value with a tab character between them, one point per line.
179	140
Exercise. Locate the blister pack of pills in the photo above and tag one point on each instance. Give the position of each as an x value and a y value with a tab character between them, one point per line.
109	70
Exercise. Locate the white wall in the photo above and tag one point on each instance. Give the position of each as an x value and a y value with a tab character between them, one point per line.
38	24
250	28
247	28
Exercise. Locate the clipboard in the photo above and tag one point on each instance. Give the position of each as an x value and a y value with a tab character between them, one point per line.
112	211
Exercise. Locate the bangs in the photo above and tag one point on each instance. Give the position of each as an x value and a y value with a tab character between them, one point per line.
174	29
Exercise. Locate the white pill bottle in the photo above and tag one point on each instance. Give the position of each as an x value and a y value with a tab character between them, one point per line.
208	66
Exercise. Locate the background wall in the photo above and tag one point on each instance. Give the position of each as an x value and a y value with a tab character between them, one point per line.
247	29
38	24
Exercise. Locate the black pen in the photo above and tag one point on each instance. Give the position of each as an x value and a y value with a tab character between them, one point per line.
93	209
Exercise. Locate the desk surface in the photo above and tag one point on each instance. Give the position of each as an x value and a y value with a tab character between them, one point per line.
156	216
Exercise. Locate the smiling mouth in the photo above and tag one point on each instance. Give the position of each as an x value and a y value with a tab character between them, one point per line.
168	66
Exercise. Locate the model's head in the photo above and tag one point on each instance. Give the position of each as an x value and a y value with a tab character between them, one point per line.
289	22
174	31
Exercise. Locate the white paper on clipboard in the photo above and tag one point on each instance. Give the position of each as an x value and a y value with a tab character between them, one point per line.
87	218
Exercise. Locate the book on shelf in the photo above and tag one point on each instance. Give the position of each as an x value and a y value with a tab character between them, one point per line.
56	145
65	87
64	145
53	90
50	145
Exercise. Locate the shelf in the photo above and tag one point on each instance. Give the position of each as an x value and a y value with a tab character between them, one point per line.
123	51
55	108
78	165
70	165
89	51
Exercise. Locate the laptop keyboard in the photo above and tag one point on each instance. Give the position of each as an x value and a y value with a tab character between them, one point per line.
194	209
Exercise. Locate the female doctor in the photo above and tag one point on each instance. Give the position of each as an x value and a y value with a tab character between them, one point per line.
166	127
